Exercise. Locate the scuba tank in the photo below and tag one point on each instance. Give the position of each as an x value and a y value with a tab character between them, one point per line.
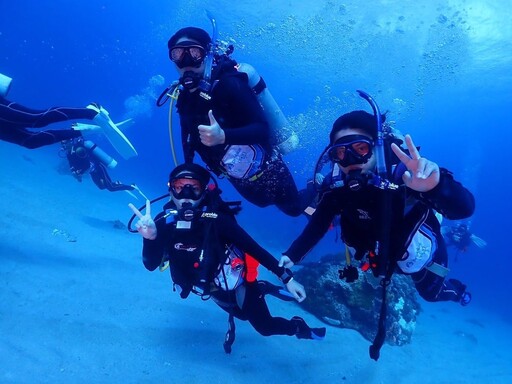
284	138
101	155
5	85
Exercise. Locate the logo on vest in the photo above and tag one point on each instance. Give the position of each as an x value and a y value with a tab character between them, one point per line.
183	247
209	215
205	95
363	215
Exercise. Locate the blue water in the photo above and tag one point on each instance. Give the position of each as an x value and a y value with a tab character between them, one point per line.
443	73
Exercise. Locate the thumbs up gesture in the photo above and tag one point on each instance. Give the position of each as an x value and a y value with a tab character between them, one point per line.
212	134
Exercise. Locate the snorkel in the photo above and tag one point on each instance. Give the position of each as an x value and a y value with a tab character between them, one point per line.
379	143
204	84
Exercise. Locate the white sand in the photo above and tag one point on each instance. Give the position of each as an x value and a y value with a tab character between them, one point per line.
88	312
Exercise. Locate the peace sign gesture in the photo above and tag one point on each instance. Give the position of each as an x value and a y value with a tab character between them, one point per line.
145	226
422	175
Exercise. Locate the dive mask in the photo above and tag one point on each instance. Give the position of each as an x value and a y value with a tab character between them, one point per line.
187	54
351	150
189	189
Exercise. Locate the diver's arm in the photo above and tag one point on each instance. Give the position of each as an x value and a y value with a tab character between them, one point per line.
449	197
153	250
231	233
242	102
315	229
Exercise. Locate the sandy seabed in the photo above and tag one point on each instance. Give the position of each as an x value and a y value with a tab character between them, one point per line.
77	306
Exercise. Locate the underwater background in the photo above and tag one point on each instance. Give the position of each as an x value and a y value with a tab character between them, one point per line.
442	70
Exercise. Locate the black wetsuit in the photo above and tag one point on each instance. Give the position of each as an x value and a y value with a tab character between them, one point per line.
15	119
82	159
101	178
183	248
360	212
238	112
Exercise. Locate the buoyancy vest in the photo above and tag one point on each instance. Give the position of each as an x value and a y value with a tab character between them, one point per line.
188	260
197	258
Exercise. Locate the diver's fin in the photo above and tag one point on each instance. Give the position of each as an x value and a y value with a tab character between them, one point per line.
85	127
127	122
95	127
480	243
131	194
136	188
113	133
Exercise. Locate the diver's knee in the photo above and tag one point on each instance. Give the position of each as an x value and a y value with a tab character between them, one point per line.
428	296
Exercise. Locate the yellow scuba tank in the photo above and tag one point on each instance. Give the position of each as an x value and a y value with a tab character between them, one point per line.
5	84
285	139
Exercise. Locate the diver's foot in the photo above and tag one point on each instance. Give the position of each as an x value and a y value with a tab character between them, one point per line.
305	332
85	127
102	117
95	107
465	298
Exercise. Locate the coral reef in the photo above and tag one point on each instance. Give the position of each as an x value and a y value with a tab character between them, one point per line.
356	305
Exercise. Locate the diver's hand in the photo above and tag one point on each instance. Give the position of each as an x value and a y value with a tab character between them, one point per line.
145	226
422	175
319	178
296	289
212	134
286	262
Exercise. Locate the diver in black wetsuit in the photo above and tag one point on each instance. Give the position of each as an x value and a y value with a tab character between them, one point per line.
194	240
85	156
460	237
225	124
416	241
16	119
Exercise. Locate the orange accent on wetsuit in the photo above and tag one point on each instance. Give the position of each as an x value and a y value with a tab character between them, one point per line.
252	268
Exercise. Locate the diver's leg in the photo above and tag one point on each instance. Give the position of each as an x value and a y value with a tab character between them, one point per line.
17	115
32	140
256	310
433	287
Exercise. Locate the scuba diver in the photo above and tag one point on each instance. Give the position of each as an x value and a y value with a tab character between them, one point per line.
391	223
207	253
16	119
85	156
460	237
222	119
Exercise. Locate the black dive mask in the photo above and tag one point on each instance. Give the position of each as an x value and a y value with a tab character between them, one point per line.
191	80
187	192
187	54
351	150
